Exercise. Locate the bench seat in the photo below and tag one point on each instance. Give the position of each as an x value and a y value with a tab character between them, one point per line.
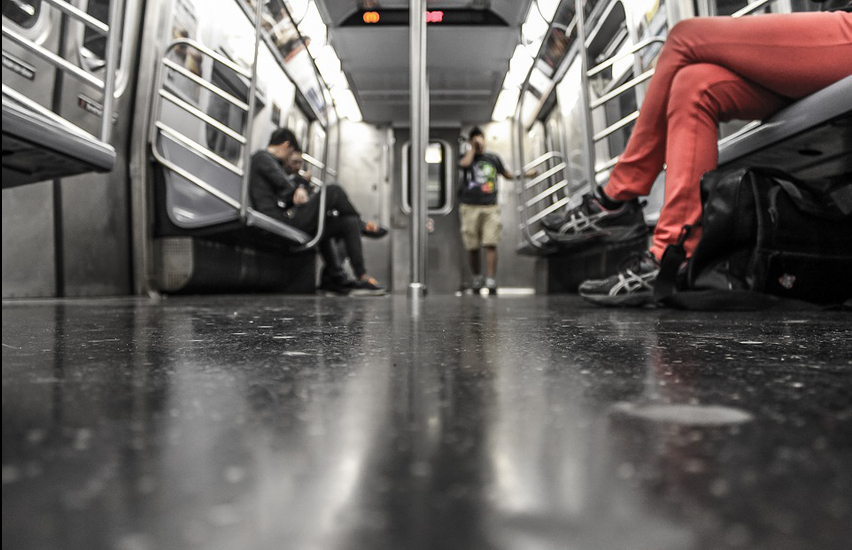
809	139
39	145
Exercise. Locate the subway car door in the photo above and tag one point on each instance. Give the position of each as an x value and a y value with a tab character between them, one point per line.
446	262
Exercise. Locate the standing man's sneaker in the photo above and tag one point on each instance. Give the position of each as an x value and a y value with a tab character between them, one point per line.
632	286
477	284
491	285
367	286
598	217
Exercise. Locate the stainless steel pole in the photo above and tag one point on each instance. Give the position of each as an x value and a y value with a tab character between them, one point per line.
113	40
585	93
419	128
244	191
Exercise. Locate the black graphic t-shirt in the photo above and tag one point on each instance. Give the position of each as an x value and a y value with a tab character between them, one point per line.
479	184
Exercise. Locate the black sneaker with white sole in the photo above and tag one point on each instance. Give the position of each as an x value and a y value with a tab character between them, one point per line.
597	218
632	286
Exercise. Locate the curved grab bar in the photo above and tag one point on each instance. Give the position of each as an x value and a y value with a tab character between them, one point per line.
525	186
320	222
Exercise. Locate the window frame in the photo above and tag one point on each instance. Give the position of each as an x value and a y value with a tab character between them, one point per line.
446	159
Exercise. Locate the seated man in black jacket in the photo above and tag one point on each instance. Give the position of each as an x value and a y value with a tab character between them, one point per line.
270	183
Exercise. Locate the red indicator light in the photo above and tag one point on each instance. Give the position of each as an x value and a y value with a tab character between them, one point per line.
371	17
434	17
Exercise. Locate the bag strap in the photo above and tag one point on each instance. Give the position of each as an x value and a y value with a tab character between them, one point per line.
674	256
838	199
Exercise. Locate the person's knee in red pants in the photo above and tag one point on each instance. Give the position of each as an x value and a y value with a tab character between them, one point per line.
702	95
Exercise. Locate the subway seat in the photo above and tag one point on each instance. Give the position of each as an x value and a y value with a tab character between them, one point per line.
809	139
40	145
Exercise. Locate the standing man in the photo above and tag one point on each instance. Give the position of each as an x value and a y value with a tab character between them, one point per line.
479	210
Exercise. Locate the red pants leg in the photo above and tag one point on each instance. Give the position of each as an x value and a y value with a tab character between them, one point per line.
706	94
789	55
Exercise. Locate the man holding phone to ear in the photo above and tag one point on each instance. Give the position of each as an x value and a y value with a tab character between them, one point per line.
479	210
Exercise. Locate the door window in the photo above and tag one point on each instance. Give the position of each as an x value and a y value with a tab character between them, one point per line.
438	180
23	13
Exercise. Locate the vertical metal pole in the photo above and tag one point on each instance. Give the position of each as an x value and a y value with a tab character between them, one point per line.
419	117
113	40
585	94
250	114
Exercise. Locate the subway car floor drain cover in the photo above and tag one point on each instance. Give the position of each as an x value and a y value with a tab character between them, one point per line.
691	415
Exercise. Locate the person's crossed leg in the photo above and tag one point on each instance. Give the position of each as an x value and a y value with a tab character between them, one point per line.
710	70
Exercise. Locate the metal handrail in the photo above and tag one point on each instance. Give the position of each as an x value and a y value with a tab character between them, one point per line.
79	15
252	94
611	129
227	199
546	175
616	58
204	117
540	160
629	85
313	161
549	210
105	85
198	148
233	100
547	192
214	55
525	204
158	127
54	59
607	165
751	8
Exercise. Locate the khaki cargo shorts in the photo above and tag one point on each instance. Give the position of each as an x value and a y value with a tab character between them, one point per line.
480	225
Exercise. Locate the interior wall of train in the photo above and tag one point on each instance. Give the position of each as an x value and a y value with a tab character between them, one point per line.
171	213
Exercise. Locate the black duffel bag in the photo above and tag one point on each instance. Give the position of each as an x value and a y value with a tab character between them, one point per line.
768	240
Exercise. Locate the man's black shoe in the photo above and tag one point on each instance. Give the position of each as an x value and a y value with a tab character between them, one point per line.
335	287
373	230
367	286
632	286
597	218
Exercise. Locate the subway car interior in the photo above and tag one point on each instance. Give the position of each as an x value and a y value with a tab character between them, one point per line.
178	373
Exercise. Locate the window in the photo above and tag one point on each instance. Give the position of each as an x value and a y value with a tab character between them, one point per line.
94	43
23	13
438	179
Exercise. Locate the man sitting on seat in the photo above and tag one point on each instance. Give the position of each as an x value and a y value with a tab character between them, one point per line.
270	183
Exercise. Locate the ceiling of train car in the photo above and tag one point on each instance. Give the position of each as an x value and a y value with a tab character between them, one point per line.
466	65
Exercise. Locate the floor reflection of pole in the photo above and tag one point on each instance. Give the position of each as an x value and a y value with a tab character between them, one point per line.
420	465
59	350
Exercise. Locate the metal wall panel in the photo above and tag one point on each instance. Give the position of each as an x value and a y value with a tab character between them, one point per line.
28	263
28	236
364	174
96	207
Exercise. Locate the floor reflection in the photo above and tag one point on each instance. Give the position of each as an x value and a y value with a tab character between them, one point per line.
519	423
